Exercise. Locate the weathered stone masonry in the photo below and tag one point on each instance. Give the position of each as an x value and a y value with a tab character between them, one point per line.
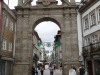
28	17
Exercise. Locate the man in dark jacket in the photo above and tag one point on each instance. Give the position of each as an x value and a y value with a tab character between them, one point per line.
81	70
33	70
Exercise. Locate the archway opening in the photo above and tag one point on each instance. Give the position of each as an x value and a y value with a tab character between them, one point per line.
48	32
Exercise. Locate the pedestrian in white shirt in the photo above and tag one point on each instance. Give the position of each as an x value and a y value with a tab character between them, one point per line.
72	71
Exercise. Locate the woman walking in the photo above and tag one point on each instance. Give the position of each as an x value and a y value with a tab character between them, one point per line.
51	68
41	69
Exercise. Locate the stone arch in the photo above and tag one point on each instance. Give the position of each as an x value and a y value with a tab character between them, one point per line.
46	19
28	17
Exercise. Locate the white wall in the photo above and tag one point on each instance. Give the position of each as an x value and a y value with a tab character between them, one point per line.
94	28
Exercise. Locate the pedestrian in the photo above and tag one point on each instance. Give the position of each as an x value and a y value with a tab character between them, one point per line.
36	71
41	69
60	66
72	71
33	70
81	70
74	67
86	73
54	66
51	68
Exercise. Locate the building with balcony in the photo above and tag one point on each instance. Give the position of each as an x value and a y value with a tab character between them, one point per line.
7	40
89	14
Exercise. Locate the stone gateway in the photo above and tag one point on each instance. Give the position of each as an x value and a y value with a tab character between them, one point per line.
28	17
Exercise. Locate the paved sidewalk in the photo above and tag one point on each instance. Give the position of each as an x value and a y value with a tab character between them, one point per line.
47	72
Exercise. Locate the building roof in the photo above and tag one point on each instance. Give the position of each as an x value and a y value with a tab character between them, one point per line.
86	4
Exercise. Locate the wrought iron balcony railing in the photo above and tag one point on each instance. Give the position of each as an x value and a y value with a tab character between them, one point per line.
91	49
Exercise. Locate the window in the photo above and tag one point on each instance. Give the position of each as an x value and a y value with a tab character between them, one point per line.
5	18
4	44
99	15
93	19
10	46
86	24
6	22
87	41
11	26
94	39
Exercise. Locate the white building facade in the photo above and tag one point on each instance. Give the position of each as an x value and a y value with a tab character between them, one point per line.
89	14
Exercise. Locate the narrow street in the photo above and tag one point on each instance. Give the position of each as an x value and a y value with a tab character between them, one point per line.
47	72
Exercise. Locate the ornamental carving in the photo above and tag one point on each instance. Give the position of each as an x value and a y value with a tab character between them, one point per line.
46	2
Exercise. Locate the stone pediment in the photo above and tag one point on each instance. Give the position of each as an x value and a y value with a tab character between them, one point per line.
51	2
45	3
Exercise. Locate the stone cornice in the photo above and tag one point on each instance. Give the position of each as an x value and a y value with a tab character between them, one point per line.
87	5
5	7
50	7
58	10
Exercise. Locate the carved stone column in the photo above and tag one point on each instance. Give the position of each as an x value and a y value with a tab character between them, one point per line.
23	54
69	41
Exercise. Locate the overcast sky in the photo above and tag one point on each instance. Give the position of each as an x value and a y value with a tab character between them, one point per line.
13	3
46	30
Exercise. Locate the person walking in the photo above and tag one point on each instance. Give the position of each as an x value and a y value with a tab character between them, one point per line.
60	66
51	68
42	70
33	70
81	70
72	71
